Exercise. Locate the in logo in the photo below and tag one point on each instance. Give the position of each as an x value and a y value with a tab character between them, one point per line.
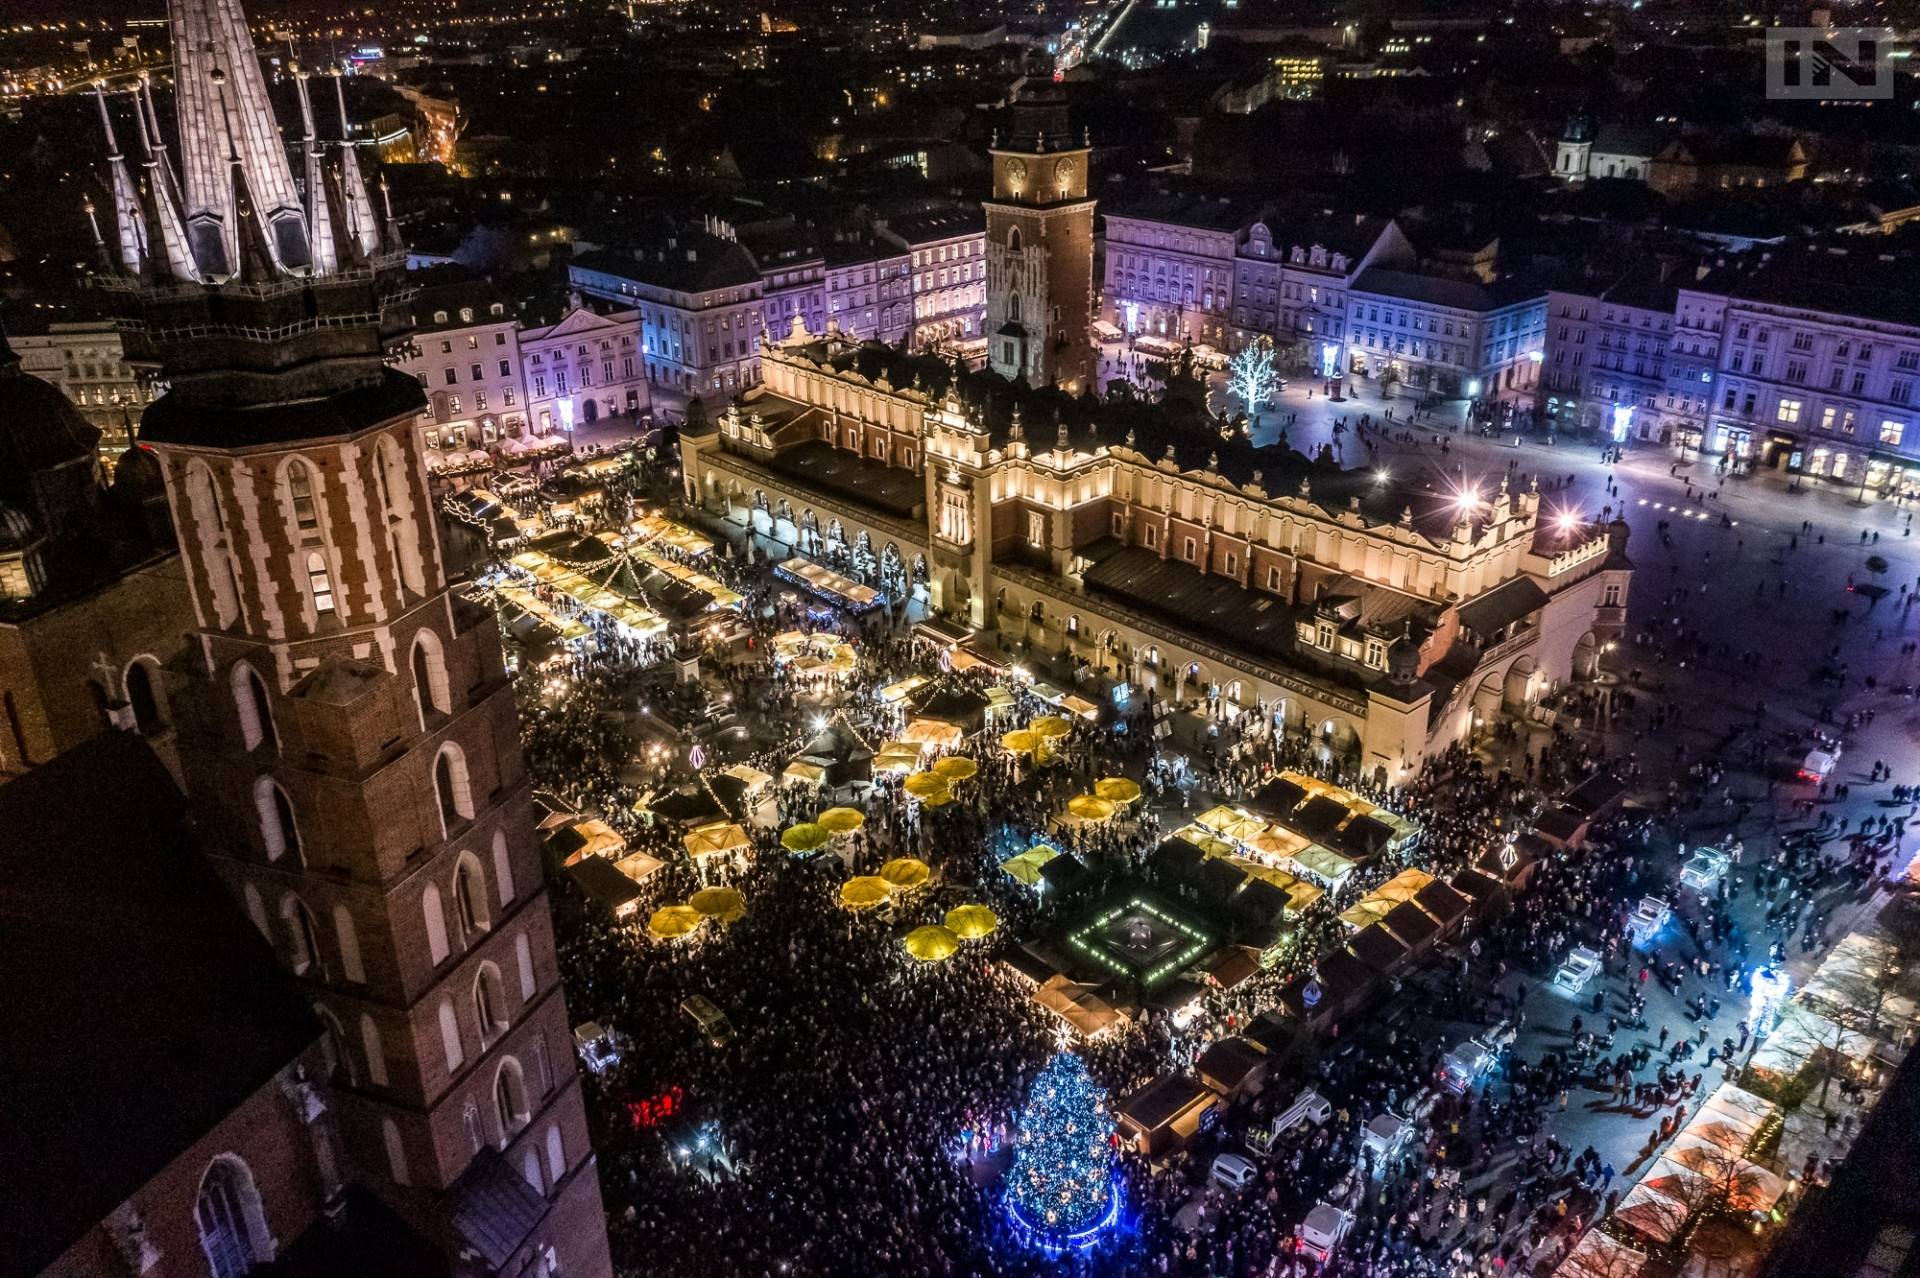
1847	64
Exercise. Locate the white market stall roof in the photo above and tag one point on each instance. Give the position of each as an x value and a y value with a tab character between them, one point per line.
894	693
651	528
1800	1033
1599	1255
722	596
752	778
829	584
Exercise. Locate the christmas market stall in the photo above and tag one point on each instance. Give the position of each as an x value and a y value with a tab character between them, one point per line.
603	883
829	586
1160	1118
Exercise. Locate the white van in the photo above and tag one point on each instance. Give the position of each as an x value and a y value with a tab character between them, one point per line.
1233	1171
1322	1231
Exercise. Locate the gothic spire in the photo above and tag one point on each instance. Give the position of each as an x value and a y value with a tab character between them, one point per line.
361	227
227	131
129	222
326	253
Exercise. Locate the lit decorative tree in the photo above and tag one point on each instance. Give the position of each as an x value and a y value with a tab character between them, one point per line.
1061	1187
1250	376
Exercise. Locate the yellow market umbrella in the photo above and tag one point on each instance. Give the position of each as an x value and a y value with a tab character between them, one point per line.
905	872
971	922
932	944
925	785
864	892
840	820
805	837
1025	868
674	921
1049	726
1117	789
723	904
1021	742
956	767
1089	808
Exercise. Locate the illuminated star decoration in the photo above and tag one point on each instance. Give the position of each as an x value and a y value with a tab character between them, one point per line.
1061	1191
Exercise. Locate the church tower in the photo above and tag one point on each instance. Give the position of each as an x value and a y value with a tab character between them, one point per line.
1040	249
347	731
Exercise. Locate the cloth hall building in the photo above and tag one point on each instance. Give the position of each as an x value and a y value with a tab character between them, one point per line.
1225	579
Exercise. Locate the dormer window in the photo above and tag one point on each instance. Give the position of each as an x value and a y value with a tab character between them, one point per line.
496	309
439	317
466	315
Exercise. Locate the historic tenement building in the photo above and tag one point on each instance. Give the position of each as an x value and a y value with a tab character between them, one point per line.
1385	621
345	730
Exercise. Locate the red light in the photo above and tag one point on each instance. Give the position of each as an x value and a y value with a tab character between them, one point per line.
655	1110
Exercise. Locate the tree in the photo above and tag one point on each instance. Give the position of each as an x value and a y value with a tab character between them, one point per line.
1250	376
1061	1184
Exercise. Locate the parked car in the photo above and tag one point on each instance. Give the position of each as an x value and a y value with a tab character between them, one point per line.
1233	1171
712	1021
1465	1066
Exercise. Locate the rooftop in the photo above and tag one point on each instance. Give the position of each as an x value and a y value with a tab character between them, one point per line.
144	1006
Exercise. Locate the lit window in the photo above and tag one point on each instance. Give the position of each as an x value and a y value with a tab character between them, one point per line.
306	515
319	582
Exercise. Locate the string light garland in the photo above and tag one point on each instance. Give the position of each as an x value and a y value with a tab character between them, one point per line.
1061	1191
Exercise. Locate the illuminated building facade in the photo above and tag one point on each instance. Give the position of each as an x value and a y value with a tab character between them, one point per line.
1229	580
947	265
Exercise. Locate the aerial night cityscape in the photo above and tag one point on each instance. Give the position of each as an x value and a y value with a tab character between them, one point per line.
1123	639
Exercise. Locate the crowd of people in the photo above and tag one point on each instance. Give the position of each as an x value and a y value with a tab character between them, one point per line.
860	1119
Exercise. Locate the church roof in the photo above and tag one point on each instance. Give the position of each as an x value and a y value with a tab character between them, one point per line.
143	1006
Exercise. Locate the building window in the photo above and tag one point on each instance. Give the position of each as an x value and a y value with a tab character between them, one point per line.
1036	529
1187	549
1891	431
489	1001
451	787
256	714
1611	597
396	1152
450	1046
232	1226
429	675
303	937
277	829
510	1099
436	921
319	582
306	514
470	896
1788	411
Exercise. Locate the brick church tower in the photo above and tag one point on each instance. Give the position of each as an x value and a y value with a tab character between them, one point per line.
1040	249
347	732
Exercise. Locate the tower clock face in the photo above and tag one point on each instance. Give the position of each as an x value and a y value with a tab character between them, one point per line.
1017	170
1063	174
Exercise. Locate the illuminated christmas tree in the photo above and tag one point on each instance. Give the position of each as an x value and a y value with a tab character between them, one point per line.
1061	1189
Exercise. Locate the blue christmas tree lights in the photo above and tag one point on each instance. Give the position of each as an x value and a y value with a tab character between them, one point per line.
1061	1191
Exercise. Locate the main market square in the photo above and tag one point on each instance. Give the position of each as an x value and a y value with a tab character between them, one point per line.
990	892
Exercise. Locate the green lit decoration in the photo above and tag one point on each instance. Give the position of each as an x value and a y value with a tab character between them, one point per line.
1062	1192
